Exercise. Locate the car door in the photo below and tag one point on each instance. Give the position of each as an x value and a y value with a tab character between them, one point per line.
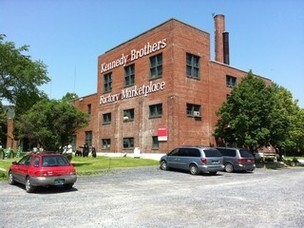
173	159
184	158
22	168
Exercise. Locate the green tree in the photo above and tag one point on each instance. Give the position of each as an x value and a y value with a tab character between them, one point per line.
19	74
257	115
50	123
293	145
69	97
281	116
245	116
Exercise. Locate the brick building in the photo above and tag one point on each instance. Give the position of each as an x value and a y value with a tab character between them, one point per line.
159	90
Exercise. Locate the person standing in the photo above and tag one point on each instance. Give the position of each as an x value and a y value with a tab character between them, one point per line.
93	152
85	152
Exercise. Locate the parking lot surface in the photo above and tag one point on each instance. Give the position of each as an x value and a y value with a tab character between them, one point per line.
149	197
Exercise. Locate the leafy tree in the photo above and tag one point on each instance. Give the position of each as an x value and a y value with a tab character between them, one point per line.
19	74
293	145
69	97
257	115
282	112
50	123
245	116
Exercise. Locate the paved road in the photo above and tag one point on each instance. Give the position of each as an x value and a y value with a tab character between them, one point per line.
149	197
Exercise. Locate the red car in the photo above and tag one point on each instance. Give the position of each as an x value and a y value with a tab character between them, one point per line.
42	169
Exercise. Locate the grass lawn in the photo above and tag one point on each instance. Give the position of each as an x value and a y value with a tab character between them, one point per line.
89	165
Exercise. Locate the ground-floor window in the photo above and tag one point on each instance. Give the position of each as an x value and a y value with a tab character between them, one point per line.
155	143
88	137
128	143
105	143
73	142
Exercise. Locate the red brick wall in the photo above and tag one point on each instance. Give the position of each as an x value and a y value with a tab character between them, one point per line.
209	92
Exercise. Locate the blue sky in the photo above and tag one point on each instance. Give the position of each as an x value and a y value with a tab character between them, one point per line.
68	35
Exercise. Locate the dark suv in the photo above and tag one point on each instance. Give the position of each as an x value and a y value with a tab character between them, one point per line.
195	159
237	159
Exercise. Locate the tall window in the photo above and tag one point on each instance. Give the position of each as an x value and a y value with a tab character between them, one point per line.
230	81
107	86
105	143
88	137
128	143
155	143
155	110
129	75
194	110
192	66
156	66
73	142
128	114
106	118
89	111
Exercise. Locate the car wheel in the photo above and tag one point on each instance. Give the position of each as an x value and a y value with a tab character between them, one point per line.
11	178
29	188
163	165
228	168
213	172
193	169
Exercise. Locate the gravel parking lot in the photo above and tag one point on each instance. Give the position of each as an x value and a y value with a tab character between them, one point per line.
149	197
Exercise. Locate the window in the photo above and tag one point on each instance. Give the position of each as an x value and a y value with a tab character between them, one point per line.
156	66
25	160
73	140
212	153
230	81
192	66
107	86
89	111
129	75
155	143
36	161
128	143
128	114
155	110
193	110
88	137
105	143
174	152
106	118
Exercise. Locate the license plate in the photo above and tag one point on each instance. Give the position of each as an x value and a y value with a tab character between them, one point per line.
59	181
215	161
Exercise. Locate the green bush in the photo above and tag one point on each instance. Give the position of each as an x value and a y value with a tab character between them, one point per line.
292	162
3	175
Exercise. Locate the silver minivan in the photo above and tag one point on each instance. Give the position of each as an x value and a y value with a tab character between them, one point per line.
195	159
237	159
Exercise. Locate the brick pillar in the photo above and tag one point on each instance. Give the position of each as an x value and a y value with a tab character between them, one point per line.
219	23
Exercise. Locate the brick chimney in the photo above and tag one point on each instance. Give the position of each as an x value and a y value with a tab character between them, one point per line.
221	40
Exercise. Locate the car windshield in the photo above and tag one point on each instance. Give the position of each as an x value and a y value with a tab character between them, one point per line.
54	161
245	154
212	153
